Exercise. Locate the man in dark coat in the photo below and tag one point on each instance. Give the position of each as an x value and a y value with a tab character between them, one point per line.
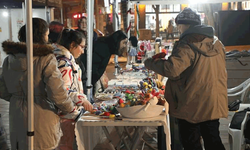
103	48
196	89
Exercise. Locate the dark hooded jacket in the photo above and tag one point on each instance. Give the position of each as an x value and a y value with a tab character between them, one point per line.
196	89
103	48
49	92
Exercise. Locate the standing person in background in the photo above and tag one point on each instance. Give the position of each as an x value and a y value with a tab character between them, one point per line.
55	29
82	27
70	46
109	28
196	89
49	91
170	29
104	47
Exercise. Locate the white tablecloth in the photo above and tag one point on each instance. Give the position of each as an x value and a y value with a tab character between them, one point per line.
88	129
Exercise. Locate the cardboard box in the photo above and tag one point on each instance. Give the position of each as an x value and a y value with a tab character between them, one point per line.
145	34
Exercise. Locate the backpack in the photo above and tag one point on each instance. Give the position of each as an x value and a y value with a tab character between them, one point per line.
247	129
238	118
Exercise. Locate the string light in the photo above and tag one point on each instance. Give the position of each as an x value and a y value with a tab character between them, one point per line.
5	14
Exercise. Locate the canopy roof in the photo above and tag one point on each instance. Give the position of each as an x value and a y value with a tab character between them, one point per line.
36	3
182	1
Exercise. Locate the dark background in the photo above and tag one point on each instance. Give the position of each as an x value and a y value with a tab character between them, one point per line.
234	27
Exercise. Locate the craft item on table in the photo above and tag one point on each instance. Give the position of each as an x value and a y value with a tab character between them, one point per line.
159	55
112	82
132	53
139	102
133	44
104	96
148	45
118	94
152	101
105	111
161	101
119	83
147	85
141	53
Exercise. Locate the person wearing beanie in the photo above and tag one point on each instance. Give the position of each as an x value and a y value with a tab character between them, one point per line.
196	89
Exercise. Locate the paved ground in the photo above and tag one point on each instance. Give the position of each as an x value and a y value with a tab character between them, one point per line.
4	109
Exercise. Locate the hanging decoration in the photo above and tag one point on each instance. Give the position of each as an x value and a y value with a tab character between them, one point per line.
129	12
138	17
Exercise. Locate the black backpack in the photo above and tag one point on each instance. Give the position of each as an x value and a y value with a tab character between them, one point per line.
238	118
247	129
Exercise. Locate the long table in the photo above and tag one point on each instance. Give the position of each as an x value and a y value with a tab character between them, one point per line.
90	128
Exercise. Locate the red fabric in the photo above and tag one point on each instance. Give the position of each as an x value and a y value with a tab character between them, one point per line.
67	140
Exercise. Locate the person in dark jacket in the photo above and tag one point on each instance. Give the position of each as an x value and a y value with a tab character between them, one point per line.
103	48
196	89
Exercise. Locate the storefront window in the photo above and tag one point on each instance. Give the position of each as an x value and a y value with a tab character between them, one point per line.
163	23
149	8
164	19
198	7
170	8
165	8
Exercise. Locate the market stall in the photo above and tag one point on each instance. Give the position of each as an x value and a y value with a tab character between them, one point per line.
125	90
89	129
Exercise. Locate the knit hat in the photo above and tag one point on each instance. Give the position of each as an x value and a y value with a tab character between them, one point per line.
188	16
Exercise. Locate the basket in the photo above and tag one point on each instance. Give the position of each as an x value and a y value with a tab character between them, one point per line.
138	112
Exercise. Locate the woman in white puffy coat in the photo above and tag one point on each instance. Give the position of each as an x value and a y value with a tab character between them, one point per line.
71	45
49	92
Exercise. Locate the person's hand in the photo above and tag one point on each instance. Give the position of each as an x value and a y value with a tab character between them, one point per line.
87	105
159	55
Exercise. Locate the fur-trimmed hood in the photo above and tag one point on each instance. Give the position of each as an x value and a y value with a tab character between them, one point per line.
10	47
17	58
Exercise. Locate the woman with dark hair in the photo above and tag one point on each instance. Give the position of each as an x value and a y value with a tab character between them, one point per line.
104	47
70	46
49	92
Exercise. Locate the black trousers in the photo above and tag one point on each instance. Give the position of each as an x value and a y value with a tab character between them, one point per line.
190	135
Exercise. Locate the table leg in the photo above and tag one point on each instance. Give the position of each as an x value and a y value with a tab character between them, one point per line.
109	138
127	132
122	138
138	137
88	139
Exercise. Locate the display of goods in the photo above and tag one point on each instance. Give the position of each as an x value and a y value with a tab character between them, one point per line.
141	101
